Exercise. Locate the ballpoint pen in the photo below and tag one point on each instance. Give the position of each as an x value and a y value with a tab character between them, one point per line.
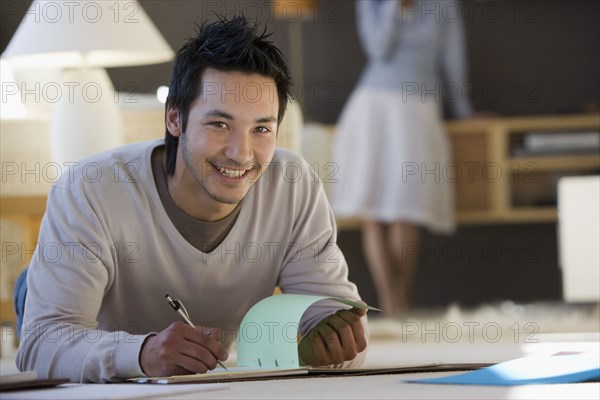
179	307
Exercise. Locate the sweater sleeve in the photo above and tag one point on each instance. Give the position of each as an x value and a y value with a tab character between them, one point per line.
315	265
378	26
454	69
71	270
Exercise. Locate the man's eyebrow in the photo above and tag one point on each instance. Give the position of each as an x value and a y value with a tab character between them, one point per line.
223	114
266	119
218	113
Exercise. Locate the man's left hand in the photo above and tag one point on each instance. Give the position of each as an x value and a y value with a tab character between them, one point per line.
337	338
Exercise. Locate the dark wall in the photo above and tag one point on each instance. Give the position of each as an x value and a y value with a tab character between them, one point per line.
524	57
477	264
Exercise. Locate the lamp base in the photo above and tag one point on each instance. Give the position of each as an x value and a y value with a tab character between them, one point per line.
86	118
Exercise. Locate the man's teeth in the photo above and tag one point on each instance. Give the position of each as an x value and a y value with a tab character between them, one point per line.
232	173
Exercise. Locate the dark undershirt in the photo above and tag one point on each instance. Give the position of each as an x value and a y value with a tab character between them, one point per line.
203	235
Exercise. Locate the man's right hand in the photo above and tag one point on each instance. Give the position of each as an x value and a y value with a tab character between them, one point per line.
181	349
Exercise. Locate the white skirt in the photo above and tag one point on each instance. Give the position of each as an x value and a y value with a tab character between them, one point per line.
393	156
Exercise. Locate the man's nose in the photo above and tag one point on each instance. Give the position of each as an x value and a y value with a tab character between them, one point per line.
239	148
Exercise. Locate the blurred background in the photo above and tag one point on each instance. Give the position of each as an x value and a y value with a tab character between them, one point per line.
532	64
524	57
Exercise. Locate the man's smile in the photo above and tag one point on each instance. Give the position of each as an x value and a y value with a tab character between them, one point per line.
235	172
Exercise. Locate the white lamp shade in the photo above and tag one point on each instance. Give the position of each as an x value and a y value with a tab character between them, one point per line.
11	105
87	120
87	33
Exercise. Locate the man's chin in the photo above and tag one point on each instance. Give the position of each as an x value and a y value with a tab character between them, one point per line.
230	201
228	198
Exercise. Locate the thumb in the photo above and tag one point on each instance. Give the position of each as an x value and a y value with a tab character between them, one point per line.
360	311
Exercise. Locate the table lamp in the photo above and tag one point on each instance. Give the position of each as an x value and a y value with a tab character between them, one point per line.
82	38
10	107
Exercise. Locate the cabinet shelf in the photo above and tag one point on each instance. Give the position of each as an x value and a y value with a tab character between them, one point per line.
558	162
516	215
504	188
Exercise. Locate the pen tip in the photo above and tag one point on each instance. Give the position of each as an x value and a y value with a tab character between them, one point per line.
166	295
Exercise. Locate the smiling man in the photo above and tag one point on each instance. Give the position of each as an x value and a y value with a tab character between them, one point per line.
228	144
210	214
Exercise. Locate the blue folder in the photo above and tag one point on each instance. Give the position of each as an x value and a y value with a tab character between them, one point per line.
562	368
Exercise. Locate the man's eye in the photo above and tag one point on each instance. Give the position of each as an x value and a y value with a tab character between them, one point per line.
263	129
218	124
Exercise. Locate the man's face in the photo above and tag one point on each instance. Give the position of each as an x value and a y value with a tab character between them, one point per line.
230	135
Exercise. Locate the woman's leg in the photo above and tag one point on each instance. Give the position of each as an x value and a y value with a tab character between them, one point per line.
379	260
404	240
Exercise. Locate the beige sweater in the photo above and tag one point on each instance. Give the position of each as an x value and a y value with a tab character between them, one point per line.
108	253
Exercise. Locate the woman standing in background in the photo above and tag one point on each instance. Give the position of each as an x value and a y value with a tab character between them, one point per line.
390	145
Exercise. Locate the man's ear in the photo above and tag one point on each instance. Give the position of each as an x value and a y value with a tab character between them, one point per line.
173	122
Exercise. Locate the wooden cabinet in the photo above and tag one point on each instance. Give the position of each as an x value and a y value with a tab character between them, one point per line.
496	182
20	219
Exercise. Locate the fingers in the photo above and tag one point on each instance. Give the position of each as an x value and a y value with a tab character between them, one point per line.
312	349
338	338
181	349
359	311
358	329
204	342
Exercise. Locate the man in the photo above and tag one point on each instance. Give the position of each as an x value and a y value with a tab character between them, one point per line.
214	214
